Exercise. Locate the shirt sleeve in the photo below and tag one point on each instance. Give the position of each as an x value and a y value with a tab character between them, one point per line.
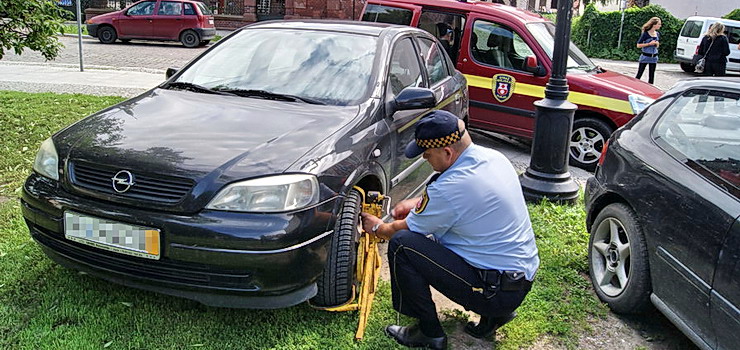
725	44
645	36
433	215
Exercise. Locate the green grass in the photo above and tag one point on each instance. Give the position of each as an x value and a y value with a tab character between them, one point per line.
72	29
45	306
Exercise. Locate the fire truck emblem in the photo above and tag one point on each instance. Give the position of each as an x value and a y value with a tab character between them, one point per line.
503	87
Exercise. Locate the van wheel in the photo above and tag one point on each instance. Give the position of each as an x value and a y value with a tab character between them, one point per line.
687	67
189	38
107	35
618	260
587	141
335	283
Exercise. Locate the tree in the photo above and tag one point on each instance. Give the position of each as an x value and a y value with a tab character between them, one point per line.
31	24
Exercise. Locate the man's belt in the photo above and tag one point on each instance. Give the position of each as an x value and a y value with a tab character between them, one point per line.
507	281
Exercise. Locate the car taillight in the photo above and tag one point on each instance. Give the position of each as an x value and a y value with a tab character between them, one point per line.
603	152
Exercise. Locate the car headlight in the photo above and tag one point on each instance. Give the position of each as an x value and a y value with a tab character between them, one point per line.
47	161
268	194
639	102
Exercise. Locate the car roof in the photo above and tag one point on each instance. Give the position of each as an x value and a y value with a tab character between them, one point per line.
716	19
710	82
475	6
356	27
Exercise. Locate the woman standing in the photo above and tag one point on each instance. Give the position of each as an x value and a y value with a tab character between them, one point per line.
648	44
715	48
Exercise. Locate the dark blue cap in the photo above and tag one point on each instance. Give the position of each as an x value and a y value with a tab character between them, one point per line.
436	129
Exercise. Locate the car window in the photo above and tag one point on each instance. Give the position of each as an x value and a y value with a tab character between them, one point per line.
434	61
498	45
204	10
404	69
544	33
142	9
733	34
447	27
170	8
336	68
189	10
387	14
703	126
691	29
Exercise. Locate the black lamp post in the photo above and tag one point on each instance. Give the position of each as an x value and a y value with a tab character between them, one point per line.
547	175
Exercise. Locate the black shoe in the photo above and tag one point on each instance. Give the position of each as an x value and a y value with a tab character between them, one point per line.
414	338
488	326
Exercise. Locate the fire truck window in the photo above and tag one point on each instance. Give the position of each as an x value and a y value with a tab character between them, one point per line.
498	45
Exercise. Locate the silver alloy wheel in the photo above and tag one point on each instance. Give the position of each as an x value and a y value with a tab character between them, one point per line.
586	144
610	255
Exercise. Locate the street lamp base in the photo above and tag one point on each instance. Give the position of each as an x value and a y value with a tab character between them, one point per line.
558	188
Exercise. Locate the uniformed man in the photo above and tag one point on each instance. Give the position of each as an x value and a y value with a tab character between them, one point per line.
469	236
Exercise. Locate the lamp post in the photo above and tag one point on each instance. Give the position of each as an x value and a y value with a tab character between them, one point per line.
547	175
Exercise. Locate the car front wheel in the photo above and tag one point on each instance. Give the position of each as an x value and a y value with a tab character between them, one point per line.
189	38
107	35
335	283
587	141
618	260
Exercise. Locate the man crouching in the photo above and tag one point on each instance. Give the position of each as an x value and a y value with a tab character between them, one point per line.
469	236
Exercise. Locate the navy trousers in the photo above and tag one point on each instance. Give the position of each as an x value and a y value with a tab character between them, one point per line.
417	262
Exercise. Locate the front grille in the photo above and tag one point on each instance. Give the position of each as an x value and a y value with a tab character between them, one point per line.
147	187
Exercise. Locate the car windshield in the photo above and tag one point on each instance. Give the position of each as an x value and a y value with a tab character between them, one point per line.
544	33
326	67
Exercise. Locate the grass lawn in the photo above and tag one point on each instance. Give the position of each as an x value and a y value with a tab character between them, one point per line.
45	306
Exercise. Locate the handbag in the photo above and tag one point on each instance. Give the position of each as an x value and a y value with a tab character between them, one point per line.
699	68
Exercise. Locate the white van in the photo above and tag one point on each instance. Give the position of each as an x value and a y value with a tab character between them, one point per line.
692	33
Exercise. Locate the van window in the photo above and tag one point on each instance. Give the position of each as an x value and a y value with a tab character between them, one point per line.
447	27
544	33
434	61
733	34
498	45
692	29
387	14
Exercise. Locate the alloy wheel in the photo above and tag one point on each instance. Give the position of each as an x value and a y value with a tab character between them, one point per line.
611	257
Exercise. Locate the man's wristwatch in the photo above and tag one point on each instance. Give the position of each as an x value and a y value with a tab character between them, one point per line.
375	228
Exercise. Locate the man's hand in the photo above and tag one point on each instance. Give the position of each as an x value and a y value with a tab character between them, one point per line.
368	221
404	207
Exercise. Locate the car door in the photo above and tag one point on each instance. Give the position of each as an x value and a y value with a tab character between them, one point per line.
137	20
690	204
404	70
725	298
440	77
502	93
169	20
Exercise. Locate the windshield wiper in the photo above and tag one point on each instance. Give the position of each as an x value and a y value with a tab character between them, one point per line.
191	87
269	95
584	66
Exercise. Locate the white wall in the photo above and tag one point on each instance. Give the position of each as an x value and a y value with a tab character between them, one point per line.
686	8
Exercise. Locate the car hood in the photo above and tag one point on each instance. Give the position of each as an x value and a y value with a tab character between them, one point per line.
194	135
612	84
104	17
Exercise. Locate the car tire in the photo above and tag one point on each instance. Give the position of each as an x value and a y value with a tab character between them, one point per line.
587	141
335	283
190	38
205	42
107	35
687	67
618	260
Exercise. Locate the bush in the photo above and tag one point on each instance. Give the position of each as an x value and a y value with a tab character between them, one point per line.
604	32
734	15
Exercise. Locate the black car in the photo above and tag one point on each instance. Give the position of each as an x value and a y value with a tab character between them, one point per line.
664	213
226	183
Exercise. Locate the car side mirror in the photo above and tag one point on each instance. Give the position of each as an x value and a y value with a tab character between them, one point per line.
415	98
531	65
171	71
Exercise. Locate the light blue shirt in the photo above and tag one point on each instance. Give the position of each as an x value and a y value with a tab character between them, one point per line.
476	209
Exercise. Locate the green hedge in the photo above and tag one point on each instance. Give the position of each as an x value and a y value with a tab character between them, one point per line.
604	29
734	15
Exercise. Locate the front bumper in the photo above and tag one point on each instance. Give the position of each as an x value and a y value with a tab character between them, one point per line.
92	29
217	258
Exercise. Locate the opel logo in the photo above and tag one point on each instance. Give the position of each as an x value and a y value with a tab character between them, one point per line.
123	181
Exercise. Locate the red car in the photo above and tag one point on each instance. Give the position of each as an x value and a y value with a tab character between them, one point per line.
189	22
506	55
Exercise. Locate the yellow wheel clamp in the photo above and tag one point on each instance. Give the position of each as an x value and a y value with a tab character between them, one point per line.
368	263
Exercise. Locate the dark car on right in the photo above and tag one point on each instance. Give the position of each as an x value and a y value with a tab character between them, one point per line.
664	213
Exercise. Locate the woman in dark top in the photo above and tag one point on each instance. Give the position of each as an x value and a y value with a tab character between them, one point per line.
648	45
715	48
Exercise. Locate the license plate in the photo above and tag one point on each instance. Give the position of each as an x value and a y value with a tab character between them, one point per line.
210	21
679	51
112	235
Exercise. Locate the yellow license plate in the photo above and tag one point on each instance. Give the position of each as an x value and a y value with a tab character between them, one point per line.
112	235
